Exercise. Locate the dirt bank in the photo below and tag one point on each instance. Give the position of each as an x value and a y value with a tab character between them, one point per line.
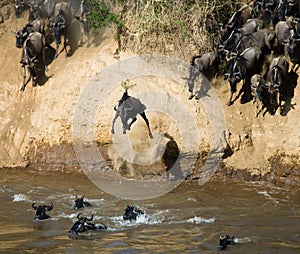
37	124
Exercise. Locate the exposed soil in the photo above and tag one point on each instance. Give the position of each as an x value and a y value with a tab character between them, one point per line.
37	124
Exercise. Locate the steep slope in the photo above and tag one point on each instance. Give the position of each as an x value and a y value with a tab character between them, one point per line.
37	124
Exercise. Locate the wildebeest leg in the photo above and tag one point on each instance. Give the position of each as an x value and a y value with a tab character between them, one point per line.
133	120
230	99
56	51
193	74
65	46
81	37
24	78
258	110
296	69
147	122
113	123
44	55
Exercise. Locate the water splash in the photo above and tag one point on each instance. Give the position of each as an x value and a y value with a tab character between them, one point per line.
198	220
268	196
20	197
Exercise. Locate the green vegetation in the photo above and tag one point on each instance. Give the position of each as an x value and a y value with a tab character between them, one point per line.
178	28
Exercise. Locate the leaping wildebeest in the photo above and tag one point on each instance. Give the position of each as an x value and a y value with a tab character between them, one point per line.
128	109
59	23
33	58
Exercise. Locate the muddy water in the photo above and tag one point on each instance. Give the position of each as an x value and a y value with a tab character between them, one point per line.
189	219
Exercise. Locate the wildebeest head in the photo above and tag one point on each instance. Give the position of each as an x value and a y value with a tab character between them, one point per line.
80	202
235	71
57	25
225	240
80	225
83	224
40	211
292	44
21	36
132	212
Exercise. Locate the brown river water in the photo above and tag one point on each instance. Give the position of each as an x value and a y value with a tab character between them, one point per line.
189	219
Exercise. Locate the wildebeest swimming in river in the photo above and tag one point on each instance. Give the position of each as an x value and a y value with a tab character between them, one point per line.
83	224
40	211
127	109
225	240
80	202
132	212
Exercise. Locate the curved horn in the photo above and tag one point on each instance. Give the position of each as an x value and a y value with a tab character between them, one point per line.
90	218
34	206
79	218
82	197
32	59
49	207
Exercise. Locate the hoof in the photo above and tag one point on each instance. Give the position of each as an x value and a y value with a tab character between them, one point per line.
191	97
150	135
112	132
229	103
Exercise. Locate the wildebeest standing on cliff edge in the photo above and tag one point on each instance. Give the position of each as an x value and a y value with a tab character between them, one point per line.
60	23
33	59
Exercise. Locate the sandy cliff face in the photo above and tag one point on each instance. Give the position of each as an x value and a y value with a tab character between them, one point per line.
37	124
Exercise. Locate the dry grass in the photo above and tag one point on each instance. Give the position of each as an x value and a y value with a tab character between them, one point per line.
178	28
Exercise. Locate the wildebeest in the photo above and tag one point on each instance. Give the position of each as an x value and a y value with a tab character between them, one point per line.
83	224
207	64
19	6
82	17
60	23
263	38
80	202
277	75
40	211
242	67
225	240
22	35
128	109
292	49
132	212
257	89
283	31
236	21
33	58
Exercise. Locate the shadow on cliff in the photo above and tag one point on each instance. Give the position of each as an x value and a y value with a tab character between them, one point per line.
288	93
